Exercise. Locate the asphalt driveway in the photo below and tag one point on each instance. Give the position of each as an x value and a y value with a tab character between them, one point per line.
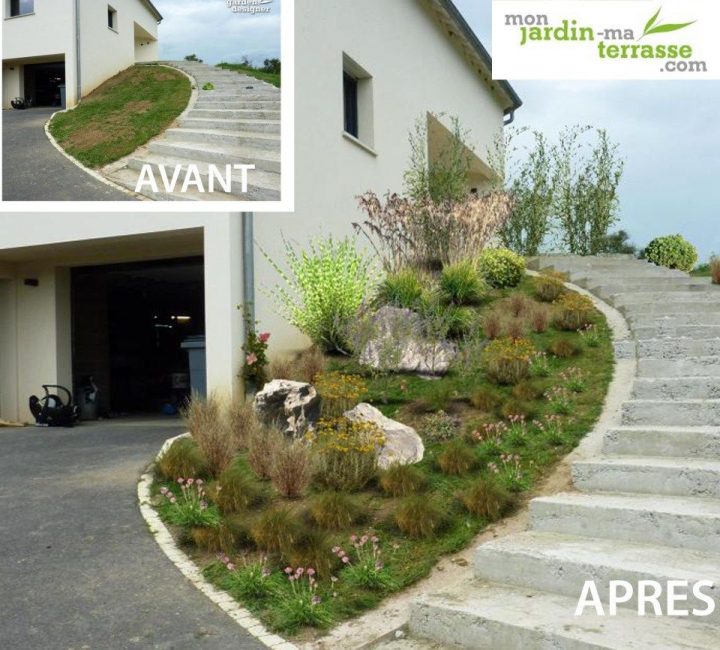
34	170
78	567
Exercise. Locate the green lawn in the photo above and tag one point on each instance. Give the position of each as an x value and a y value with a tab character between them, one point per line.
516	455
122	114
270	77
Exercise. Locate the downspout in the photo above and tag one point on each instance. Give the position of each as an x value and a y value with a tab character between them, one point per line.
248	272
509	117
78	67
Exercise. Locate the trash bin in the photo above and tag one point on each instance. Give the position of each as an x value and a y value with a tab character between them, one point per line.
63	102
87	399
195	346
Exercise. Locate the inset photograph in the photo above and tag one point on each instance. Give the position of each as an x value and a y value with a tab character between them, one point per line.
140	100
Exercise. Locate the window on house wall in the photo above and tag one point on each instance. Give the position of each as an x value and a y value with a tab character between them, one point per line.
21	7
112	18
358	102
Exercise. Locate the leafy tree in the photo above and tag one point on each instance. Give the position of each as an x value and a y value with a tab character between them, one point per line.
272	65
619	243
193	57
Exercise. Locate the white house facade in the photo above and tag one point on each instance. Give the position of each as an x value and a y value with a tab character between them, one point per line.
365	73
77	44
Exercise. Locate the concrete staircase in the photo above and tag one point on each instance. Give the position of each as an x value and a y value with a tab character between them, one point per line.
647	508
237	122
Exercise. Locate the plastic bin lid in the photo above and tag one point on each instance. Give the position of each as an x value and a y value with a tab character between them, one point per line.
193	342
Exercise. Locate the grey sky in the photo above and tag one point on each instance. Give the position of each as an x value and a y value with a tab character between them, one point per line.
211	30
669	136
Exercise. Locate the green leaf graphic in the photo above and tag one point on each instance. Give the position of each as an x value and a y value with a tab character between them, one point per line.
668	28
651	22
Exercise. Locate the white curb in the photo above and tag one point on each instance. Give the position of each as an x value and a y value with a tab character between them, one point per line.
188	568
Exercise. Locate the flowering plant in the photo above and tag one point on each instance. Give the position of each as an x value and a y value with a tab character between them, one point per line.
339	392
255	349
559	399
507	360
574	379
367	568
190	508
510	473
591	335
301	604
250	581
552	427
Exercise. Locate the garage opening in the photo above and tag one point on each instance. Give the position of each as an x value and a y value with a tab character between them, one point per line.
43	82
132	325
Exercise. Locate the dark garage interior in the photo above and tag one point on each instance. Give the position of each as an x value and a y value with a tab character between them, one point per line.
42	83
129	322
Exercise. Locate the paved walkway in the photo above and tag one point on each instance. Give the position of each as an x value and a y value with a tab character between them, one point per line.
33	170
78	567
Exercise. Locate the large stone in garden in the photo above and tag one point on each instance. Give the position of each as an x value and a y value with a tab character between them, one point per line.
398	345
292	406
403	446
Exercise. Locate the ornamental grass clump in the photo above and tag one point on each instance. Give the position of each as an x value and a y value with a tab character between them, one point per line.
305	366
456	459
402	480
715	270
339	392
564	348
324	289
419	517
460	284
312	547
183	458
237	490
501	267
291	468
276	529
403	289
487	498
190	508
573	312
548	288
540	319
335	510
507	360
261	450
345	453
206	419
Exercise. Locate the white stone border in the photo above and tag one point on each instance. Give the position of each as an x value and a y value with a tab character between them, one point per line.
97	175
190	570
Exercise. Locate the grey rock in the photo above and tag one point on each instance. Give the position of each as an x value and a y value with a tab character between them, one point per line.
291	405
398	345
403	446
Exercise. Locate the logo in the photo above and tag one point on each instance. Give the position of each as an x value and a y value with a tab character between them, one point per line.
603	40
251	7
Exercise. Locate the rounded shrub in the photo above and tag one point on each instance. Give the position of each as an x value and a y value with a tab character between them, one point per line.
673	251
501	267
487	498
420	517
461	284
335	510
402	289
460	321
549	288
402	480
574	312
456	459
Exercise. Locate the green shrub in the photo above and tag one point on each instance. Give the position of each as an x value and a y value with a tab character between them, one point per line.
402	289
335	510
439	427
487	498
486	400
312	547
549	287
460	321
564	348
501	267
456	459
237	490
420	517
251	581
183	459
673	251
574	312
237	530
324	288
402	480
461	284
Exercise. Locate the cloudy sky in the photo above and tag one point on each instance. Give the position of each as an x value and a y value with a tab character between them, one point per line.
211	30
668	132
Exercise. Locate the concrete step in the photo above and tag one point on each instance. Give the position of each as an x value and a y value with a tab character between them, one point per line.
678	348
217	153
664	297
665	441
127	178
667	308
687	331
230	137
677	388
669	322
673	284
409	643
688	412
497	617
262	186
250	126
551	562
680	522
237	105
242	115
649	475
690	367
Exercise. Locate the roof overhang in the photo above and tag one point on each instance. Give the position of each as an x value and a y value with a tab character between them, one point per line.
153	10
458	29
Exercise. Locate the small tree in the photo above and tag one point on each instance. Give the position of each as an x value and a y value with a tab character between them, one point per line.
272	65
193	57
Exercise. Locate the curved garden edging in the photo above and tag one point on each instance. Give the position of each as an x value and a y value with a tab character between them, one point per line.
188	568
389	620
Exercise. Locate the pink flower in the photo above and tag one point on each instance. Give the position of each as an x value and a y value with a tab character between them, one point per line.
316	600
190	481
264	337
333	579
346	559
230	566
199	481
288	570
181	481
311	572
251	359
300	571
